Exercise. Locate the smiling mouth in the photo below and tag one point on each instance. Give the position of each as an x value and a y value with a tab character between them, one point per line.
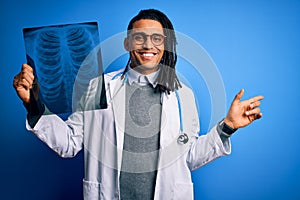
147	55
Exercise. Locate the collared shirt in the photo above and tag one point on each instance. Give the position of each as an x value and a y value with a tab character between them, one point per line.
136	77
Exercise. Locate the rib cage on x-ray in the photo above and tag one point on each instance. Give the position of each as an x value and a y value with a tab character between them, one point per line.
58	52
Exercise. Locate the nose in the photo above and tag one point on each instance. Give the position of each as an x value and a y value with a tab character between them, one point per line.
148	43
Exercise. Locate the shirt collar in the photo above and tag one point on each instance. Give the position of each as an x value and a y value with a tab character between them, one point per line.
141	79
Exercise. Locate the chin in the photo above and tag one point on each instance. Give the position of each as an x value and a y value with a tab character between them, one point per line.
147	67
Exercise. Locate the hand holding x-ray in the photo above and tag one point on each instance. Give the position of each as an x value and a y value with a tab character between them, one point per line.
23	82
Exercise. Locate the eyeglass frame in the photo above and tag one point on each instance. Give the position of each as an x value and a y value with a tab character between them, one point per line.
145	37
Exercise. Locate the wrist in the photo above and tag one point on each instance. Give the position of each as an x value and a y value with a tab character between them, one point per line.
228	123
227	129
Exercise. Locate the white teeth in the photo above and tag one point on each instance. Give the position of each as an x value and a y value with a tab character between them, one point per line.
148	54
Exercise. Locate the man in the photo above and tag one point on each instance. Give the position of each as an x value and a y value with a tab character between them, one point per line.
144	145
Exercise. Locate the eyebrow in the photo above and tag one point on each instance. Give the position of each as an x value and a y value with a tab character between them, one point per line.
140	32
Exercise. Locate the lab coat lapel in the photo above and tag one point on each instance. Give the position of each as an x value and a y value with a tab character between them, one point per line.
117	95
170	123
169	132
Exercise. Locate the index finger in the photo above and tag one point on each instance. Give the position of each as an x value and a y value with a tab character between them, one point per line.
256	98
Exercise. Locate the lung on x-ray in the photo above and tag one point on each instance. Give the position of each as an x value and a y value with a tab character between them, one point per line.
65	58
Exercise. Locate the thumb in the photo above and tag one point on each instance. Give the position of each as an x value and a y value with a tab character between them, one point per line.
239	96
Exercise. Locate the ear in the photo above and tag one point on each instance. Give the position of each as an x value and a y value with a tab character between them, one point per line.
126	44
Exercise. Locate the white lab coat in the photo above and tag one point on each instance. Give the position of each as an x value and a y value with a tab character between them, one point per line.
100	132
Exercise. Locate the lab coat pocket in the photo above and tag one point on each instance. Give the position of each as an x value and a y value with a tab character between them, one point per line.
183	191
91	190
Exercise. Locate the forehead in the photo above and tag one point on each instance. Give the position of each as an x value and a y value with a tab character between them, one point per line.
147	26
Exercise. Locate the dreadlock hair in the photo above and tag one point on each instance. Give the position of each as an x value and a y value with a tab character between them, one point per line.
167	79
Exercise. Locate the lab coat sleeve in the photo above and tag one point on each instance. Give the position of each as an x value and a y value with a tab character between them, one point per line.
63	137
66	137
205	148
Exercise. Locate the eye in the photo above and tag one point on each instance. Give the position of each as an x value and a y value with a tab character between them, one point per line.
157	38
138	37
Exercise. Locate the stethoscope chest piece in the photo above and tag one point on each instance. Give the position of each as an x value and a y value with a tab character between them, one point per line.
183	138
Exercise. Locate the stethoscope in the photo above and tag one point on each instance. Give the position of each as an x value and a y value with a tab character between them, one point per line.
183	138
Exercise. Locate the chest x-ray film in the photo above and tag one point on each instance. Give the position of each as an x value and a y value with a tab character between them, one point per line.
65	58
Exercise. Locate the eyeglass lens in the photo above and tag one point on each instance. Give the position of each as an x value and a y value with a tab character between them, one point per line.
156	38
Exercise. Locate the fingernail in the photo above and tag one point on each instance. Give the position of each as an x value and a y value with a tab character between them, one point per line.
247	113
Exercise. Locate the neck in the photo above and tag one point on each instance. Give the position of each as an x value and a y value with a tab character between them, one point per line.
145	70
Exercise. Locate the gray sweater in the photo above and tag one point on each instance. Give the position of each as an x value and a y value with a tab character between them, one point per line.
141	142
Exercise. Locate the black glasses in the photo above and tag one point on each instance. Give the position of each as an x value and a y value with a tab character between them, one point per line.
141	37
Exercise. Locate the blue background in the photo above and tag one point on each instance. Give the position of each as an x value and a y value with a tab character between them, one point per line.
255	45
